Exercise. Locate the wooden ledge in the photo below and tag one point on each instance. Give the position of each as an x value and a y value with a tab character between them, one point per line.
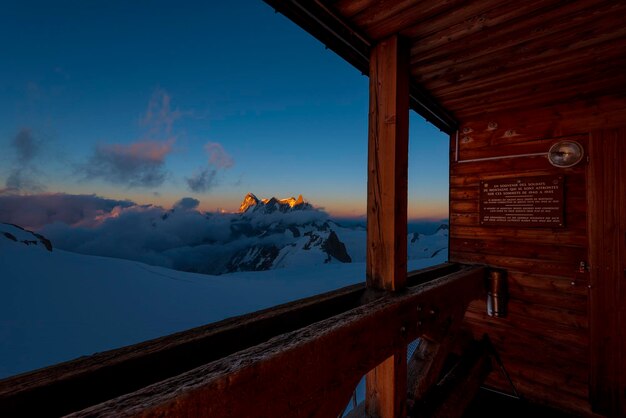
307	372
80	383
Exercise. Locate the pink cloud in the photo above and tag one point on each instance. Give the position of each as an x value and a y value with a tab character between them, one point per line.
218	156
155	151
140	163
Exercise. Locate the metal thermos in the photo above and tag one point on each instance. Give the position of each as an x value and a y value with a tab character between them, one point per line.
496	294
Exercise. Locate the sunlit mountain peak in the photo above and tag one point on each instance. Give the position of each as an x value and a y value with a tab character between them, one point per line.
248	201
272	204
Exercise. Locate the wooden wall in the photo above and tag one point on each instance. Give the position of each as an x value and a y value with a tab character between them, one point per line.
544	341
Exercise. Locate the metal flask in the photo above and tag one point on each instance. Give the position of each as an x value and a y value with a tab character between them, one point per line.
496	294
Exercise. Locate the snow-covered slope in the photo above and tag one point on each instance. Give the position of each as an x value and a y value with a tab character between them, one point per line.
57	305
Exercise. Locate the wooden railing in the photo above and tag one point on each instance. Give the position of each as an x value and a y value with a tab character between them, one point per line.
299	359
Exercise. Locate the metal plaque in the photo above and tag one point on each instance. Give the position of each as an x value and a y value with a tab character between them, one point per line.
533	202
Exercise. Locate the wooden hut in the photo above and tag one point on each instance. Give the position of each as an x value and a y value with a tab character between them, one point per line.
522	88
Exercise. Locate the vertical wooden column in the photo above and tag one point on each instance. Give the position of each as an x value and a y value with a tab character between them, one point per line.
607	248
388	165
387	207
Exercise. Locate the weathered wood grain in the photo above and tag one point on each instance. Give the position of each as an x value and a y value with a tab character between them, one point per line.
485	24
474	20
607	227
579	116
548	298
555	38
387	165
387	182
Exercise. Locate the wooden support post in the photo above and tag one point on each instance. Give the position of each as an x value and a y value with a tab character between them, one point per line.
607	250
387	207
386	387
388	165
427	362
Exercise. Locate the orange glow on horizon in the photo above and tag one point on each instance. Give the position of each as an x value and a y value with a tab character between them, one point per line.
336	206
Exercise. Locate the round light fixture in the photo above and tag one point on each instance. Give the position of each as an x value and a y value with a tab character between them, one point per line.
565	154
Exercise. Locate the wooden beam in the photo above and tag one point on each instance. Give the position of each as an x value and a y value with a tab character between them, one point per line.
310	372
387	207
78	384
388	165
607	249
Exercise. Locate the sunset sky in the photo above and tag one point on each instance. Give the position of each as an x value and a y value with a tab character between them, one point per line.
153	101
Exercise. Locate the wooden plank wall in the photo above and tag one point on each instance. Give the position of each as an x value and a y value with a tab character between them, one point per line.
607	232
544	341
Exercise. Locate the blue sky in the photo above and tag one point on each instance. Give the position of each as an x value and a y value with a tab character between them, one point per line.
153	101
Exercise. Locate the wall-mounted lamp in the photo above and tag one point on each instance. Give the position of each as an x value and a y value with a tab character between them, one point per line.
565	154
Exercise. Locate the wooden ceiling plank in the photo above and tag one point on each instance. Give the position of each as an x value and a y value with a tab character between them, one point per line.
524	40
539	62
472	26
382	10
570	81
571	117
349	8
471	10
540	66
396	20
536	101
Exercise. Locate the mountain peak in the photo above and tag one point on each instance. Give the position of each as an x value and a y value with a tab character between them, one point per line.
248	201
272	204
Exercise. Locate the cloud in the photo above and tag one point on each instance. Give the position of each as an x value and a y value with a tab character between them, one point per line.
205	178
183	238
36	210
159	117
217	156
202	181
22	177
25	146
141	164
186	203
19	180
147	233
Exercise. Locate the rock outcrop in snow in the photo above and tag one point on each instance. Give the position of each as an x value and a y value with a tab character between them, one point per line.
23	236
